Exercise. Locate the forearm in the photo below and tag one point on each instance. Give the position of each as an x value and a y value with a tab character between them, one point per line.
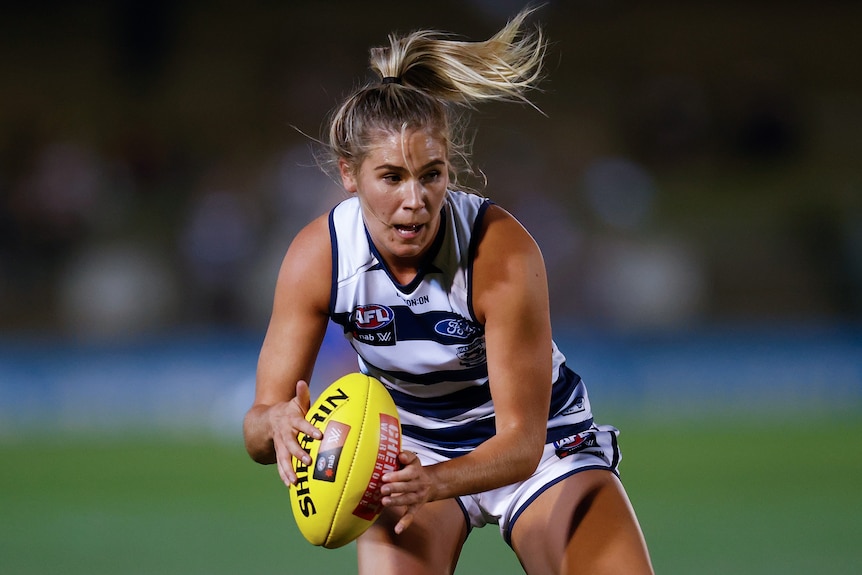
501	460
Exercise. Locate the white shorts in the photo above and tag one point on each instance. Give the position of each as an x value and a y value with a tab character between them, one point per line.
595	448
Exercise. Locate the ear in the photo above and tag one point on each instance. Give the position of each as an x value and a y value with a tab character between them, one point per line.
348	180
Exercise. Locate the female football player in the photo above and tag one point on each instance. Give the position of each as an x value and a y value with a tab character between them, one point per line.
444	297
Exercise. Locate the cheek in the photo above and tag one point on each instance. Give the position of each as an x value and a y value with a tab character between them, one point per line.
440	197
378	207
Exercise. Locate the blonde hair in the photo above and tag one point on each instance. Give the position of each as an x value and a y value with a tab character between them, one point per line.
428	80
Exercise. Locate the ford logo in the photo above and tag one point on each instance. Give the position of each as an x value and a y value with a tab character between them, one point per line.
459	328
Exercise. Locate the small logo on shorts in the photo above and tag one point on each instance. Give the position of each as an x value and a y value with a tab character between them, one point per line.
575	444
577	406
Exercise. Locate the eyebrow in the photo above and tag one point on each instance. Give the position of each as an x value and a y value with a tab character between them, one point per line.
395	168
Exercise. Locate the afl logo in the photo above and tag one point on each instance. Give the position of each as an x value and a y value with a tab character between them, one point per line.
372	316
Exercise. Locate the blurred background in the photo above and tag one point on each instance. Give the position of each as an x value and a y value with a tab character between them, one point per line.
697	163
695	185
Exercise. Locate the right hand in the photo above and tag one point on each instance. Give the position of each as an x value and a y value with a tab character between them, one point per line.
287	421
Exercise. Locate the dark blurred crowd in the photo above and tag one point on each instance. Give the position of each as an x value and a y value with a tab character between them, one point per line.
156	158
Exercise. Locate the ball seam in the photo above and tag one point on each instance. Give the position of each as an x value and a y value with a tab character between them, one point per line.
353	459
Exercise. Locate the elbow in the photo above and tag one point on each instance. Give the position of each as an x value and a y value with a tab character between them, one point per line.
260	450
524	446
528	460
523	470
262	457
258	453
531	463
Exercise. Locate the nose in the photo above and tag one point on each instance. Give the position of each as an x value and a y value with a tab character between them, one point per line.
414	194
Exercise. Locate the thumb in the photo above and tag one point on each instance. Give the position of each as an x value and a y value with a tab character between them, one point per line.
302	400
303	395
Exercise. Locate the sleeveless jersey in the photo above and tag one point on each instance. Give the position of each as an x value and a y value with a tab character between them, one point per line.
422	340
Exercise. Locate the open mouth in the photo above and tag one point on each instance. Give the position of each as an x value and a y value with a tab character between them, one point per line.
408	230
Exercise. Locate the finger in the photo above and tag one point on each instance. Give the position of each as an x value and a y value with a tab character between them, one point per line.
393	477
406	458
287	475
405	521
303	401
409	464
402	499
396	488
308	429
286	472
284	459
288	446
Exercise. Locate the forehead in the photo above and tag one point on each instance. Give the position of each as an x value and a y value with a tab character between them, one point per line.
406	146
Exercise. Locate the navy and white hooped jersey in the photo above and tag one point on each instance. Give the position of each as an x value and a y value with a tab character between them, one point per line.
422	340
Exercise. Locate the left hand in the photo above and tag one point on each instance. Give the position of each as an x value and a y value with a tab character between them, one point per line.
410	487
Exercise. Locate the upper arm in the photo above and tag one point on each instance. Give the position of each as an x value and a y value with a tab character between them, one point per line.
510	296
299	315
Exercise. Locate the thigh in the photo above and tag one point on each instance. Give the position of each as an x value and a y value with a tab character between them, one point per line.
583	524
430	546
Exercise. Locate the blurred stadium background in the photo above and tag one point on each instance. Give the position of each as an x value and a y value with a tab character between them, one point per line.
696	188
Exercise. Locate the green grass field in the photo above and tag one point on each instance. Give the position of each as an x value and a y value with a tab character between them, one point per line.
740	497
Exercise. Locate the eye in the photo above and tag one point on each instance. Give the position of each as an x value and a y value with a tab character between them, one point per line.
431	176
391	178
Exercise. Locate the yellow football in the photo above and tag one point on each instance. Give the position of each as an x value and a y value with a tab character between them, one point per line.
337	497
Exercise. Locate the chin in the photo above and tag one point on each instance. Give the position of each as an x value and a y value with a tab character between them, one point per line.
407	252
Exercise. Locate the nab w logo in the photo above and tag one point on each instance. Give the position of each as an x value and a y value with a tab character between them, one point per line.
374	324
336	437
372	316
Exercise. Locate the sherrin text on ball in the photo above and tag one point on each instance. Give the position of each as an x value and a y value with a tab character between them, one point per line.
337	497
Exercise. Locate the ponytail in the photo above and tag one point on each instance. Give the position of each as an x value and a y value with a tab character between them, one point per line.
501	68
427	80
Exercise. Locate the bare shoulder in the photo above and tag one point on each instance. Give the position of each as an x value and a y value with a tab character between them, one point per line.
500	228
306	271
504	244
508	264
313	239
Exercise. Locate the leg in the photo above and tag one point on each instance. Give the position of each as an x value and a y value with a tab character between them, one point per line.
430	546
583	524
